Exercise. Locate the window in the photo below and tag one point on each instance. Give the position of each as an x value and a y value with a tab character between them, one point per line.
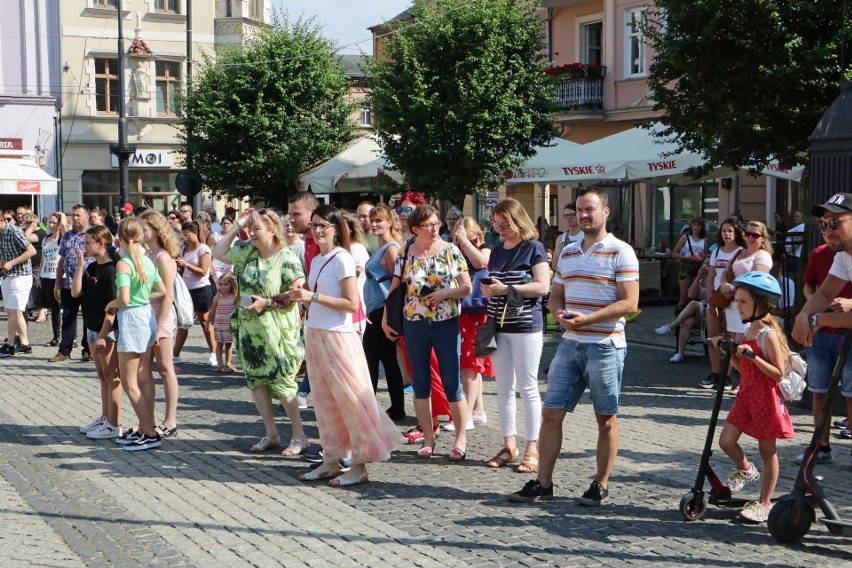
256	9
366	118
106	85
105	3
168	82
167	6
591	35
635	42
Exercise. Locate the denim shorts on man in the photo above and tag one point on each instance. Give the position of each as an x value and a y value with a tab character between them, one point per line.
577	366
821	358
137	329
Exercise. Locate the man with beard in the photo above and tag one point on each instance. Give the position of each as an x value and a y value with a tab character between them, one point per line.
72	243
829	266
595	286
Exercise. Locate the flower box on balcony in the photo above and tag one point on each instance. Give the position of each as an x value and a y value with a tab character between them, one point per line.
576	70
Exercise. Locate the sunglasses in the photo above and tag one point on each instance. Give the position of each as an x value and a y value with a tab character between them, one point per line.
404	210
501	226
825	225
753	235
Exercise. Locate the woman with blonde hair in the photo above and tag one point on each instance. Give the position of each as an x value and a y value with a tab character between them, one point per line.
163	247
384	224
47	272
138	325
470	239
756	256
267	334
518	280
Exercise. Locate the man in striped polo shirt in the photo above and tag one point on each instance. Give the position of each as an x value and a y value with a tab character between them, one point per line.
595	286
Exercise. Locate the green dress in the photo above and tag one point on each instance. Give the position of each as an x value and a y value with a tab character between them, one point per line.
269	344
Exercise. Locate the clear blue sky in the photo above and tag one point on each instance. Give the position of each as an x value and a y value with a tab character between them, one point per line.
345	21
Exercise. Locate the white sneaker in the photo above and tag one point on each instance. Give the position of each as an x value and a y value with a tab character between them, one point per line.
94	424
176	360
820	457
213	361
106	432
756	512
676	358
450	427
738	477
479	418
302	401
664	330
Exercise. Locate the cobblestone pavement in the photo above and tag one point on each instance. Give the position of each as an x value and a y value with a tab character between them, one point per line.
203	500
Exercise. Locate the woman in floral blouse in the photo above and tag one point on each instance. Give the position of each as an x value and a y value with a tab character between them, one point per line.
435	277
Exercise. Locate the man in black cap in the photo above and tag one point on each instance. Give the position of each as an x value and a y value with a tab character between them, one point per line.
827	308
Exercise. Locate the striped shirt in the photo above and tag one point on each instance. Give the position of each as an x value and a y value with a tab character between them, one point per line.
590	281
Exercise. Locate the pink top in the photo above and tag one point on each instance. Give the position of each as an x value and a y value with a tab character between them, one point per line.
192	279
743	265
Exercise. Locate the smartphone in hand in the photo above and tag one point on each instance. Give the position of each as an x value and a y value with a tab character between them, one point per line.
246	301
486	280
425	290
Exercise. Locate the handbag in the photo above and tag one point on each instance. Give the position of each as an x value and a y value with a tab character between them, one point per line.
485	342
396	299
184	312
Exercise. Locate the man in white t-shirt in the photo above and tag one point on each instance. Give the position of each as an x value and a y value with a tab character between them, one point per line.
572	234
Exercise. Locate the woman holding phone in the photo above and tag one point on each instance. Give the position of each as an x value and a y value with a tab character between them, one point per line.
520	274
266	334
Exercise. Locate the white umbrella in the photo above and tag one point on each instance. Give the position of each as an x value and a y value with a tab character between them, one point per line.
562	162
357	165
23	177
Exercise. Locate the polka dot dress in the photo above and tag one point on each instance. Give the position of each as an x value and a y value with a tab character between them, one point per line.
759	410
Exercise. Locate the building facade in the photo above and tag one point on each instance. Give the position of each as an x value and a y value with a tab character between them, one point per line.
155	71
29	90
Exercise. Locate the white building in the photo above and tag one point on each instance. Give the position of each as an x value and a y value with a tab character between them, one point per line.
154	72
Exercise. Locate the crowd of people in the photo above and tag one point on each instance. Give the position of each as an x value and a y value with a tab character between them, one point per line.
304	294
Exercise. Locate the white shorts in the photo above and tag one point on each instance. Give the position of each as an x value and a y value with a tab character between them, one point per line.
16	291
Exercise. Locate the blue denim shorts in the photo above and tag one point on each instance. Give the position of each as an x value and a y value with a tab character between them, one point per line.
92	336
137	329
822	356
577	366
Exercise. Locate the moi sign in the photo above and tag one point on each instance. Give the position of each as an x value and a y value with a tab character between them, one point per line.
147	159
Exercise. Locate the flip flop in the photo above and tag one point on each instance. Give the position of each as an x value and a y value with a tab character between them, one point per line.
265	443
296	447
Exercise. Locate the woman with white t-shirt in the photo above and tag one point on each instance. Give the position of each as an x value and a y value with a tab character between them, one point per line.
348	416
689	250
194	266
730	240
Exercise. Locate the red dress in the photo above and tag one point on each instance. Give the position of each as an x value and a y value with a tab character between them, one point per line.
759	410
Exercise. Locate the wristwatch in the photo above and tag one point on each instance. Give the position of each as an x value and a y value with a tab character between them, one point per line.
814	320
315	297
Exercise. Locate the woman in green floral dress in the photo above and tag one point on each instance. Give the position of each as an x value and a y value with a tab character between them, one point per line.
266	335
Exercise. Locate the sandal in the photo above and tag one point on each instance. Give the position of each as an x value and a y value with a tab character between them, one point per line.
296	447
529	464
416	434
231	369
503	457
165	431
426	452
222	369
265	443
315	475
457	455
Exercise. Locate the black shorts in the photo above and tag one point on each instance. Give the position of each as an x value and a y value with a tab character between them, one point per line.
202	299
689	270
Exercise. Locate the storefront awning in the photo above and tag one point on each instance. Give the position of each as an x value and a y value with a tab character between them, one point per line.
23	177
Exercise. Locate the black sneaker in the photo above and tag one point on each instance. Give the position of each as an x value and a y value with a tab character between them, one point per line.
532	491
593	497
710	382
86	357
6	350
313	457
23	349
841	423
144	442
127	437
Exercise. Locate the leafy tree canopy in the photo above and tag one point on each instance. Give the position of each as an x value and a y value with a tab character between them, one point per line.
461	96
746	80
258	117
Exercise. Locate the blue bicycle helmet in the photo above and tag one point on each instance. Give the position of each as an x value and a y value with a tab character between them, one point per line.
762	284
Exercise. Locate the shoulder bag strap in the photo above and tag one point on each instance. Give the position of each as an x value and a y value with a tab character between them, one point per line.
729	269
316	282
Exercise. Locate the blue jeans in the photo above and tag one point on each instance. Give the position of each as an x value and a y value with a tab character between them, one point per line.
576	366
421	337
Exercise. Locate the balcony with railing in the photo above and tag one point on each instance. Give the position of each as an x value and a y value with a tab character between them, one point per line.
578	86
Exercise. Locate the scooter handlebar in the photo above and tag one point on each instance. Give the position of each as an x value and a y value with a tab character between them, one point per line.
730	346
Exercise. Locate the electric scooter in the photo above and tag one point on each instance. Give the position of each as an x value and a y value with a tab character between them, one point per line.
694	504
793	514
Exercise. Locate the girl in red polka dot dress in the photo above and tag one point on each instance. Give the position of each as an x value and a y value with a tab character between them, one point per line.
759	409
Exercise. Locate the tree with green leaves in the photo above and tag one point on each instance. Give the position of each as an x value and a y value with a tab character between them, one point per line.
746	80
256	118
461	96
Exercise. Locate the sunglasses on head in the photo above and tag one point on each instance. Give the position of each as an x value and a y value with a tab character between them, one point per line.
753	235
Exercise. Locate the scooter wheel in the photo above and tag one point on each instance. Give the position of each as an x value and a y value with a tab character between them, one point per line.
692	507
788	525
